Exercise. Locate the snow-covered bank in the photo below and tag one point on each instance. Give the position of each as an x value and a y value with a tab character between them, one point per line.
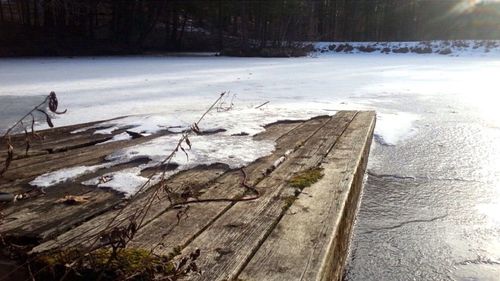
449	48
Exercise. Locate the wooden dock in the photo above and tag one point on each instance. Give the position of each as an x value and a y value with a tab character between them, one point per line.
285	233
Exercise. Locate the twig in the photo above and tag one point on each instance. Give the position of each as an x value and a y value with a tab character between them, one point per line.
31	273
211	107
24	117
52	102
233	200
126	234
262	105
221	107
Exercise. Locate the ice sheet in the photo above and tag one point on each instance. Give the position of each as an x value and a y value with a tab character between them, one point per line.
169	93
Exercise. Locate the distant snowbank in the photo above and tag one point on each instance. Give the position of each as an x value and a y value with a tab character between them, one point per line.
450	48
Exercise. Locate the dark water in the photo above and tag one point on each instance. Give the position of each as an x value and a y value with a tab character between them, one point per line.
431	204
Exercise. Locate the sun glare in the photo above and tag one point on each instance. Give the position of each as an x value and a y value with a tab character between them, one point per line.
467	6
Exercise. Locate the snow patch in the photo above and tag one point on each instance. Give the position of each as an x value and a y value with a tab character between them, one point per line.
127	181
235	151
244	119
392	128
118	137
64	175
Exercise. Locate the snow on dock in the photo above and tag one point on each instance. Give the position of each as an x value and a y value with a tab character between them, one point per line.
283	232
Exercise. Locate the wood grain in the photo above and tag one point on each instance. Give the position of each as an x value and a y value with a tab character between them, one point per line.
308	243
280	234
229	243
166	232
205	177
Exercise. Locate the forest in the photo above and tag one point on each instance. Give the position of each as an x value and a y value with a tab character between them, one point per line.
90	27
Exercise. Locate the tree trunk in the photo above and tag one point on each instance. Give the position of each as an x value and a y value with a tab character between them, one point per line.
35	13
244	43
221	27
27	12
48	15
1	13
20	12
11	13
178	43
175	26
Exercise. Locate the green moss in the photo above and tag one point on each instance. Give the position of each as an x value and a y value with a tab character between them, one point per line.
57	258
175	252
288	202
128	261
300	181
306	178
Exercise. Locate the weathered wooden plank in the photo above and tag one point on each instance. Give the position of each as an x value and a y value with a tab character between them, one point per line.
50	218
180	183
229	243
24	170
311	240
62	143
198	217
86	232
50	138
279	128
263	239
56	158
43	217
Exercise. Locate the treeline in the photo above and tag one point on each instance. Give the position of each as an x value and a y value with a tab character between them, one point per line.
107	26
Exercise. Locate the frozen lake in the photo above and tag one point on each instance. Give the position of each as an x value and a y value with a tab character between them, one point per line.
431	206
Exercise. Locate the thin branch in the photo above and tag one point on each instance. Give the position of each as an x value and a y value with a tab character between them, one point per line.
51	101
137	218
262	105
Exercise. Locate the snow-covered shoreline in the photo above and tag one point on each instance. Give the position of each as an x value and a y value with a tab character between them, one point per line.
436	47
